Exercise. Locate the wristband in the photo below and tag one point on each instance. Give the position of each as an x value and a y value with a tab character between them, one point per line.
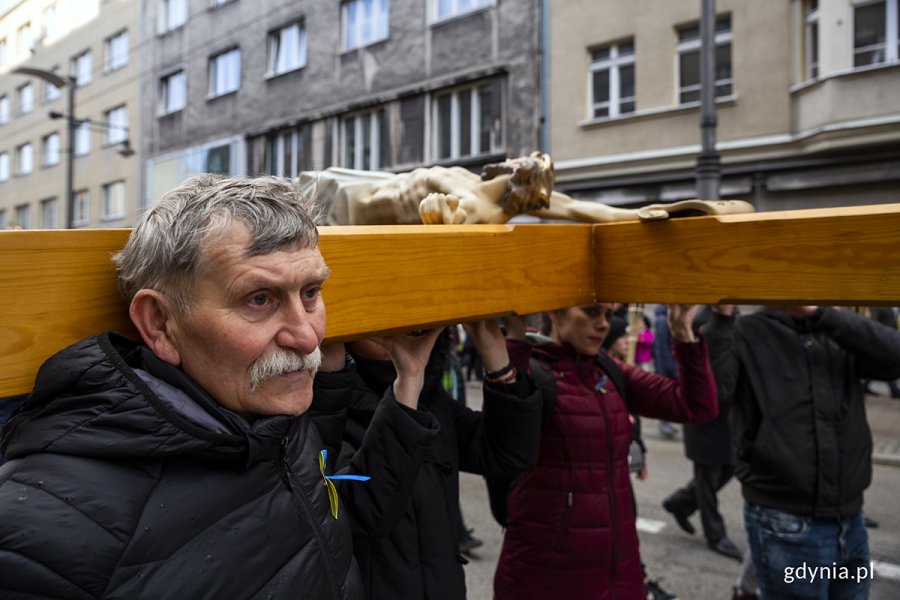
499	373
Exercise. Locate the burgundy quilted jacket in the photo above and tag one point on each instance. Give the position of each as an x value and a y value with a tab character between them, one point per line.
571	520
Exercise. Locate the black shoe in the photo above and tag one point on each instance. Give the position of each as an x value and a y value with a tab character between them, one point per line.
739	594
655	592
726	547
870	523
680	517
468	542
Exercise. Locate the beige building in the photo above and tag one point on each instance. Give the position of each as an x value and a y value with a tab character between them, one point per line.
808	100
98	43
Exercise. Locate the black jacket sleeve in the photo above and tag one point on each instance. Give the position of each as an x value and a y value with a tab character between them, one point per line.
876	347
503	439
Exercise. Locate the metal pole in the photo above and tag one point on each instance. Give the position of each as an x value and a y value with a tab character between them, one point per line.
708	166
70	154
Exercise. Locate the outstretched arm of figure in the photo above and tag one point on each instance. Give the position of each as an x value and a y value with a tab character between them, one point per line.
565	207
456	198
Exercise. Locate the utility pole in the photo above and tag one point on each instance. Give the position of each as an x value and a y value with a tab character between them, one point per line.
708	164
71	124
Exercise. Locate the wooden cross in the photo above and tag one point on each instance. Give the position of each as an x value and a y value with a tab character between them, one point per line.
57	287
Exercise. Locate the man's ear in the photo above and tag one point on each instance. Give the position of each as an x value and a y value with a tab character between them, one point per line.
154	318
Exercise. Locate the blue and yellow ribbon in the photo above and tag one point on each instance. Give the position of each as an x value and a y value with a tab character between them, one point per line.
332	491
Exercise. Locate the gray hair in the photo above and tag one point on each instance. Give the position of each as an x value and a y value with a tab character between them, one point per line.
165	250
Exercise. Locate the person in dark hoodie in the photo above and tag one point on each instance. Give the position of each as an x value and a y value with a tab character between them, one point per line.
803	444
416	553
198	463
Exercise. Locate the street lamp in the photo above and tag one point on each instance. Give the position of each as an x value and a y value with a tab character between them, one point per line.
60	81
126	150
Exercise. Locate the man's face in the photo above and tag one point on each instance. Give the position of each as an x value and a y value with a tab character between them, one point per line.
244	311
584	327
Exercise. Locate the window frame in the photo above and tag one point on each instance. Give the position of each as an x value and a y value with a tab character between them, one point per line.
83	132
4	166
116	125
106	190
108	65
614	62
25	40
21	106
51	203
455	10
379	28
81	198
476	127
212	73
721	38
20	169
168	20
274	43
25	209
360	159
78	69
48	160
890	47
4	109
165	87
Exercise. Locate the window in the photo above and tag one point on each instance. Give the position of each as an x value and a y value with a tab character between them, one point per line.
811	38
689	61
875	32
172	15
24	159
225	73
83	139
49	22
24	39
4	166
287	152
117	51
364	22
361	140
23	216
467	122
173	92
116	120
4	110
446	9
2	218
217	3
4	56
82	67
612	80
50	213
51	150
51	92
81	208
113	200
25	96
287	49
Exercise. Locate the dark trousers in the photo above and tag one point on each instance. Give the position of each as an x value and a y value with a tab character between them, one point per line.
699	494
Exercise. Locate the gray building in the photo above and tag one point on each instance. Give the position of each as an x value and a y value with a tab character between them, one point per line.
284	86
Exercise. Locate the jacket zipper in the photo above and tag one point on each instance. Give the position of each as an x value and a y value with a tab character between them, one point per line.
613	513
304	502
564	526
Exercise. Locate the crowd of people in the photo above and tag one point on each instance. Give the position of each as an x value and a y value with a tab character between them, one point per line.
229	453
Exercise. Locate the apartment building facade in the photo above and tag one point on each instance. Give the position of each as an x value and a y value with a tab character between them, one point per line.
806	98
96	43
285	86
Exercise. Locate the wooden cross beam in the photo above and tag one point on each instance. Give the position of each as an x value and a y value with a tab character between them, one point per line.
59	286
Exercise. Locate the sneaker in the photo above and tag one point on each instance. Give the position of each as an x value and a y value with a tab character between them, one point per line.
655	592
468	542
726	547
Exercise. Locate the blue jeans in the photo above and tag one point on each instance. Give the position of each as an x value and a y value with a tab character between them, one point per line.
802	557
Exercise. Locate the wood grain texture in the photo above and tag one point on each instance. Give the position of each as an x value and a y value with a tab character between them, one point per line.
838	256
57	287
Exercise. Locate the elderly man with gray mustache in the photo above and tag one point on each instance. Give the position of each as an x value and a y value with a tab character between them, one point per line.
197	464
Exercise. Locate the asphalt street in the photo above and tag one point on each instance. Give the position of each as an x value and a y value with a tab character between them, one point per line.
683	563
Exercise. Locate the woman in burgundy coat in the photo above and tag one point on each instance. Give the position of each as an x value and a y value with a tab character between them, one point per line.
570	520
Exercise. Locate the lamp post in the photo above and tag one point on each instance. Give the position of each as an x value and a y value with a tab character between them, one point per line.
60	81
708	165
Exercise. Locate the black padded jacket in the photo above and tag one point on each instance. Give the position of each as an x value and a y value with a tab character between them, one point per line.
125	479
